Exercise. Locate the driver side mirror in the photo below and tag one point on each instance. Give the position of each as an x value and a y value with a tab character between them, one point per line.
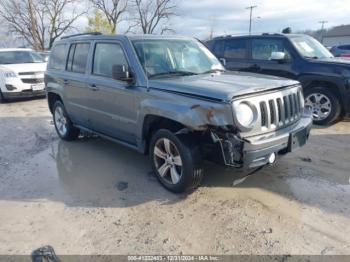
121	72
278	56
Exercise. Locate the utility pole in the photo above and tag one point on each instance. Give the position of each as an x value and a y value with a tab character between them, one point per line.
250	17
322	28
33	25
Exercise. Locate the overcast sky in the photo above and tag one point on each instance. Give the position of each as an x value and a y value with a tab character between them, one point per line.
231	17
195	17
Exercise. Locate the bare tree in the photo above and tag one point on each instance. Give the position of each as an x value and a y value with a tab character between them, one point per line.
152	15
114	11
39	22
33	24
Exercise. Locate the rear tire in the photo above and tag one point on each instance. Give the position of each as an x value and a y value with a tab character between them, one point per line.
175	162
326	107
63	125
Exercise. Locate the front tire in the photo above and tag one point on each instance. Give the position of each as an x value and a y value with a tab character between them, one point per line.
326	107
63	125
175	162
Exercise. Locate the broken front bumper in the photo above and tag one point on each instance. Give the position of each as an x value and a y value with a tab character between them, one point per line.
253	152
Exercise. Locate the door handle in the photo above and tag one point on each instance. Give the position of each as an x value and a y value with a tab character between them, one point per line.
93	87
65	82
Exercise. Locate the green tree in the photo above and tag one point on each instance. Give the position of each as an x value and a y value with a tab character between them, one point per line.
98	23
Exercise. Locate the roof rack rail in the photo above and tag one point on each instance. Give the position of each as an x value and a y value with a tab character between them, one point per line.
271	34
92	33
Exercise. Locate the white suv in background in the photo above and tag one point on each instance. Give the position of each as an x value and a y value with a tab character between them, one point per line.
21	73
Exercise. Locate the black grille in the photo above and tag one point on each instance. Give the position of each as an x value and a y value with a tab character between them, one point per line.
29	73
33	80
263	111
281	111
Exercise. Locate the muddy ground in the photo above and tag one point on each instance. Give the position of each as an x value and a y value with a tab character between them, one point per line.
96	197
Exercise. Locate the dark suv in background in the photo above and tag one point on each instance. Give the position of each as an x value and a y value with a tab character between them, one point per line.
325	79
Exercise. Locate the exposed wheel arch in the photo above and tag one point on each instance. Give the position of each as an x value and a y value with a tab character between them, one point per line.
52	98
153	123
332	86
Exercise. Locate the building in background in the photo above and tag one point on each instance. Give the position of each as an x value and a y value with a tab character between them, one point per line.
338	35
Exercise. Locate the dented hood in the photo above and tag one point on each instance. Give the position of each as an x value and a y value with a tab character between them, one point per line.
221	86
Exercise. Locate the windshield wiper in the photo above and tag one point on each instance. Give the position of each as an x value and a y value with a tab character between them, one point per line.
311	57
213	71
181	73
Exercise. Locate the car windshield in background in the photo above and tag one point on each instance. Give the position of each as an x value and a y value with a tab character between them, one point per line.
44	55
20	57
310	48
164	57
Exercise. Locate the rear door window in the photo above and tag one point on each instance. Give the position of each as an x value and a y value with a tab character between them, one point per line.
235	49
106	55
77	57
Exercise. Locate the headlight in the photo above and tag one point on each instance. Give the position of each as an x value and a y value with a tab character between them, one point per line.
9	74
246	115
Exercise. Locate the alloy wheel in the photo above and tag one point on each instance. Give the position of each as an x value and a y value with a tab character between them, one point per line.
60	121
320	104
167	161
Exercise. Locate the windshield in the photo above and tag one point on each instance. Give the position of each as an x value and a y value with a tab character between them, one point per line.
20	57
310	48
165	57
45	56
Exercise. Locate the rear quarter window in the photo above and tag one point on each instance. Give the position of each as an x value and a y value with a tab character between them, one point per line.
57	59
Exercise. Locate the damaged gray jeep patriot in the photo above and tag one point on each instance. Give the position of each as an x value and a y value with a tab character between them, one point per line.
169	97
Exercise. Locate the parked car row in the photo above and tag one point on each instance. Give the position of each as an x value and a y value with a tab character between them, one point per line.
170	97
241	105
299	57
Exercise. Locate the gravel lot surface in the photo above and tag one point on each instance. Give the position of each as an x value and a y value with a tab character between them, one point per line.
92	196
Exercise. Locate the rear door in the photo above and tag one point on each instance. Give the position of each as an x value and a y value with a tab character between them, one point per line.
75	83
261	50
112	103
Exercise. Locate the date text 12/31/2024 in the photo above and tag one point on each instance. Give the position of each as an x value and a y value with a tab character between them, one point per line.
173	258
